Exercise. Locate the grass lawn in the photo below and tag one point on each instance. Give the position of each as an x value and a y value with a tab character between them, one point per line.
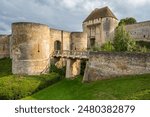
17	86
121	88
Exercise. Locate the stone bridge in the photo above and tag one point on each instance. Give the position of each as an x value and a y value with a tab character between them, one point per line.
73	60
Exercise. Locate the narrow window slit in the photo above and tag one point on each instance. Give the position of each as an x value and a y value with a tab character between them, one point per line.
38	48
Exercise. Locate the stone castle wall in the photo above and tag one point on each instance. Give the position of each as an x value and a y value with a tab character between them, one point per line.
59	35
4	46
140	31
31	44
78	41
109	25
63	37
55	35
103	65
30	48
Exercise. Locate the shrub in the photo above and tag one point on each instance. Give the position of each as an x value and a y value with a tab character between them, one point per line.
5	66
108	46
16	87
142	49
123	41
60	71
143	44
96	48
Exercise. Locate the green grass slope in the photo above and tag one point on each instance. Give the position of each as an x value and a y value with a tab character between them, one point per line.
121	88
17	86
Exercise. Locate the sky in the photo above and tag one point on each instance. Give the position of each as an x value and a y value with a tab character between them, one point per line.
66	14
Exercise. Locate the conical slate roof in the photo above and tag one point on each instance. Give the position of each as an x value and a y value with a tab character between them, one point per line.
100	13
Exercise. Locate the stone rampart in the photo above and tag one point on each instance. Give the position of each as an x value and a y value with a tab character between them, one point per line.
103	65
139	31
4	46
78	41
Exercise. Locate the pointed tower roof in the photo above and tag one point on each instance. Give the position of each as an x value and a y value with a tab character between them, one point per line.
100	13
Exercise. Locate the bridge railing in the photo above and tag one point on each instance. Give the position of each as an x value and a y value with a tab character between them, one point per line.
71	53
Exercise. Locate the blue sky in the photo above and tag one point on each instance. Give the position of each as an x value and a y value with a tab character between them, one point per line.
66	14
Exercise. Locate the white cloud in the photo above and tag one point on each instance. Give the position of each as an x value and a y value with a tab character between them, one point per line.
71	3
138	2
66	14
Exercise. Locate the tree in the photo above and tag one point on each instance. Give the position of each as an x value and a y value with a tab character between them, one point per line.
122	40
128	20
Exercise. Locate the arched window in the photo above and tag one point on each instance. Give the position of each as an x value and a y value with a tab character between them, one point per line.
57	45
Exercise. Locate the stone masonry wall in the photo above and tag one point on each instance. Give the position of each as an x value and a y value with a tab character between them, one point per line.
4	46
78	41
103	65
30	48
63	37
59	35
140	31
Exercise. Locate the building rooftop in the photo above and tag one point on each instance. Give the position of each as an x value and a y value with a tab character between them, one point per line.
100	13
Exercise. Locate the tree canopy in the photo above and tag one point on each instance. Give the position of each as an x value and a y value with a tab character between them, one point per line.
128	20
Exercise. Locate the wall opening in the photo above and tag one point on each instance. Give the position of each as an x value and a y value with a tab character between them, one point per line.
92	42
57	45
83	66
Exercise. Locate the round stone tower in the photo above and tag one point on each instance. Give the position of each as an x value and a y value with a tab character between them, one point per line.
30	48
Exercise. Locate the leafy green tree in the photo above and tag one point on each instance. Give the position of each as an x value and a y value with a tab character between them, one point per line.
123	41
127	21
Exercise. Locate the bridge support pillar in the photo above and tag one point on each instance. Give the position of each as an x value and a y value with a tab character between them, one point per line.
72	68
68	69
59	62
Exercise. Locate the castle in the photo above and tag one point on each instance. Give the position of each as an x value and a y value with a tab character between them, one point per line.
32	45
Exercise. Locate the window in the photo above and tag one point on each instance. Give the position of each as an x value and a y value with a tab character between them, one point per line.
92	31
38	48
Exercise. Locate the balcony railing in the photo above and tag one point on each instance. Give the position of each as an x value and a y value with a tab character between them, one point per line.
71	54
